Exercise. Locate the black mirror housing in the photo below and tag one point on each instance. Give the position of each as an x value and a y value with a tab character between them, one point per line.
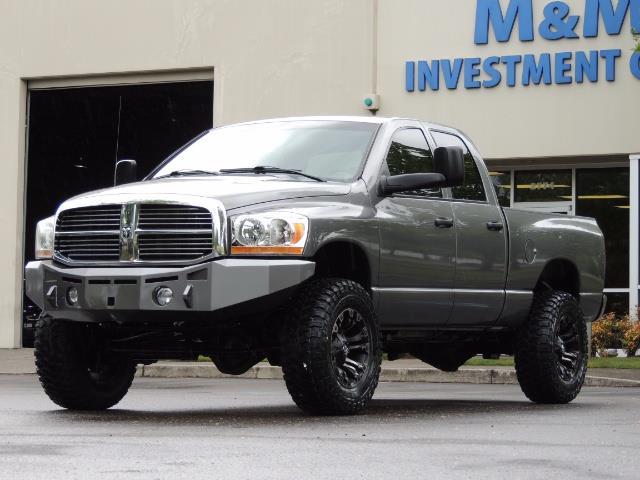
410	181
449	161
126	172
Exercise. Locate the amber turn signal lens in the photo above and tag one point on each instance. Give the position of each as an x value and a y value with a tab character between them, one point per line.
281	250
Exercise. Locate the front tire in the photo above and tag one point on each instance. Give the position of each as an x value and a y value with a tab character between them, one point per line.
72	370
551	351
331	350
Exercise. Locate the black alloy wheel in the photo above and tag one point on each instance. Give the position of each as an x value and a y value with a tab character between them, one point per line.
350	347
330	347
567	348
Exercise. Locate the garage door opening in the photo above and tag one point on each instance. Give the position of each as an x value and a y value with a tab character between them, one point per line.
76	135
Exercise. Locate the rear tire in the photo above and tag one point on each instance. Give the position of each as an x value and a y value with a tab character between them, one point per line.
551	351
331	350
73	373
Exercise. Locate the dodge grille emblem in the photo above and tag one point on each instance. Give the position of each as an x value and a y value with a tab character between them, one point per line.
126	233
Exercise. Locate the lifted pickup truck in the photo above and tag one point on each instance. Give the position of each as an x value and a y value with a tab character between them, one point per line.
316	243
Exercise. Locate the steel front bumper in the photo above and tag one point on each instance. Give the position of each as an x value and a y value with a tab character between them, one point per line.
200	288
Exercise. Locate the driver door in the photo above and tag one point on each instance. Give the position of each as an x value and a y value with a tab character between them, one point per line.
417	241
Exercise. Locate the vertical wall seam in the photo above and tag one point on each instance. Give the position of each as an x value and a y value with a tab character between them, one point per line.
374	47
634	234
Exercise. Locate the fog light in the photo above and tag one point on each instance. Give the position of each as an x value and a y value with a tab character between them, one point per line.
163	296
72	296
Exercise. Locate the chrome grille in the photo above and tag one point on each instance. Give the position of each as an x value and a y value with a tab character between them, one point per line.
88	247
89	233
134	232
160	216
174	232
174	246
104	217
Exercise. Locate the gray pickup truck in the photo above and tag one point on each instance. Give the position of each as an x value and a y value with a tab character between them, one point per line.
319	244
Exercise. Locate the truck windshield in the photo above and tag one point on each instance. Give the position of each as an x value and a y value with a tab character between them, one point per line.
328	150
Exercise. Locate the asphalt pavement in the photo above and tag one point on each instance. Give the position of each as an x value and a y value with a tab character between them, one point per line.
240	428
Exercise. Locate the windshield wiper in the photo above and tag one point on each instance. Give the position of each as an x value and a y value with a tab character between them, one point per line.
264	170
187	172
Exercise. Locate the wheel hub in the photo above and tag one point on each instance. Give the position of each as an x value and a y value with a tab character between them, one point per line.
350	347
341	349
567	348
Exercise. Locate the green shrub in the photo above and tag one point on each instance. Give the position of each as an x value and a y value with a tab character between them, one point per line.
632	338
615	332
606	333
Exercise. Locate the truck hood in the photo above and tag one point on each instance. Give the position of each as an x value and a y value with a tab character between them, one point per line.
231	191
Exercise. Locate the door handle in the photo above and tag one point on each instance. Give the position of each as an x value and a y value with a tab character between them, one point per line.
443	222
495	226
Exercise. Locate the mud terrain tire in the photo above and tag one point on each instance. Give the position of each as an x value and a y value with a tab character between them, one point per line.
69	373
551	349
331	349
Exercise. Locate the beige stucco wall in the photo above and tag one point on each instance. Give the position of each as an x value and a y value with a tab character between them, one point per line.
271	58
534	121
294	57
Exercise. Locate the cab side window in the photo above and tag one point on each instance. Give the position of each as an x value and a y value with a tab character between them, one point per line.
473	189
410	153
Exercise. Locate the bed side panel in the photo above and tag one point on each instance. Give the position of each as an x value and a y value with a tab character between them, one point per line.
537	238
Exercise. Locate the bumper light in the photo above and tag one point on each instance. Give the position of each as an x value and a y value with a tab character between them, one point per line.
72	296
163	296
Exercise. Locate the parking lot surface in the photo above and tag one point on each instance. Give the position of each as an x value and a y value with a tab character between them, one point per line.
237	428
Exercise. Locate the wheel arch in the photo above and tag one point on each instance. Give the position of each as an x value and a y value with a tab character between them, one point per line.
559	274
344	259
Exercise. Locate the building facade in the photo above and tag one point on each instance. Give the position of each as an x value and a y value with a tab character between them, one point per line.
548	90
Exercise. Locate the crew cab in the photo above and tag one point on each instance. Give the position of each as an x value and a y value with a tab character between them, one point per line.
319	244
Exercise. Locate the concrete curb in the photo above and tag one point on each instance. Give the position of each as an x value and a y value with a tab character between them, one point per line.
592	381
498	376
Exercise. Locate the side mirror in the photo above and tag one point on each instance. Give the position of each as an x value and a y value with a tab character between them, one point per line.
449	161
448	166
126	172
410	181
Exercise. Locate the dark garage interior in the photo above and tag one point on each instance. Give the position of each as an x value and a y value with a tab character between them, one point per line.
76	135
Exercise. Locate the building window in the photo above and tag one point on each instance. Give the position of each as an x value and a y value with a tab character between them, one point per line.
618	303
603	193
543	186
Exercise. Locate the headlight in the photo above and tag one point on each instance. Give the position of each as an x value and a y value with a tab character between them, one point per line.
44	238
272	233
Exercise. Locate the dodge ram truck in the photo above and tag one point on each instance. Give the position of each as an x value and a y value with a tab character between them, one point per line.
318	244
